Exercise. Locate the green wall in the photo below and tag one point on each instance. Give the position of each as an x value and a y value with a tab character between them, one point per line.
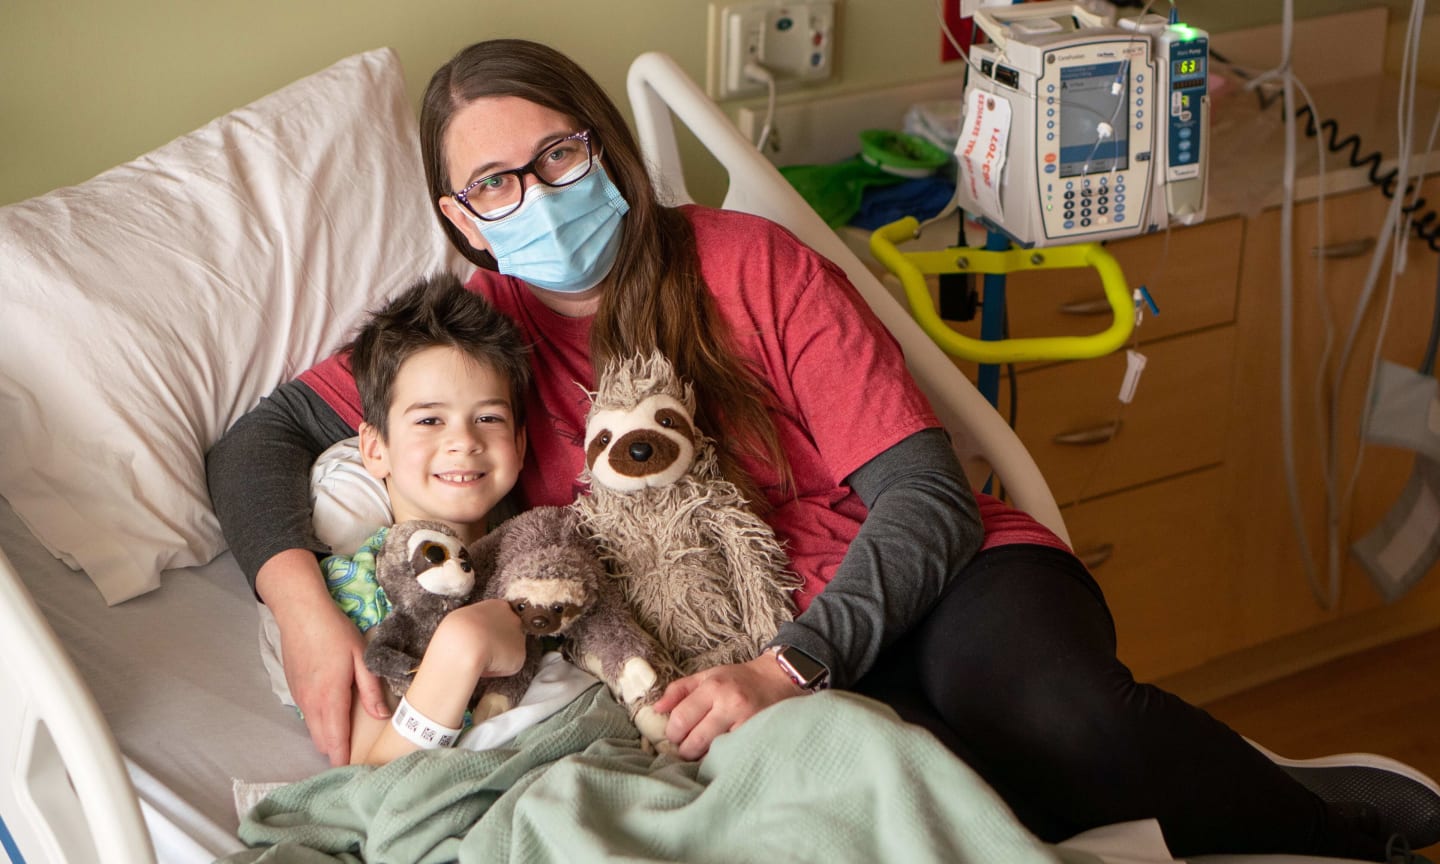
1221	15
87	84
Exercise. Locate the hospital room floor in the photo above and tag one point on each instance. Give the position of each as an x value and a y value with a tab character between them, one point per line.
1384	700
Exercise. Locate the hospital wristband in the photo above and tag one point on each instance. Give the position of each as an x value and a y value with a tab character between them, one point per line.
421	730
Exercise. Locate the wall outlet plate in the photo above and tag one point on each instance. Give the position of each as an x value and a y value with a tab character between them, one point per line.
794	42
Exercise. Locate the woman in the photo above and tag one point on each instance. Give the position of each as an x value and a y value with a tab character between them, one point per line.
966	616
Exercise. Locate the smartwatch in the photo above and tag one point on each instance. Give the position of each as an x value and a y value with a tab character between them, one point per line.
808	673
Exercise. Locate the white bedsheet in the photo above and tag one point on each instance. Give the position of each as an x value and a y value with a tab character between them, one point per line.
180	658
185	658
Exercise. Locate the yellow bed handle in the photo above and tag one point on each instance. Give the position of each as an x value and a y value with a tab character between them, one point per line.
911	268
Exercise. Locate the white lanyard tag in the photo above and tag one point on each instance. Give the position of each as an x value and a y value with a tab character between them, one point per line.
981	149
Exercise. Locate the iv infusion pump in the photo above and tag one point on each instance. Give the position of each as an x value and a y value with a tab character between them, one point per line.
1083	126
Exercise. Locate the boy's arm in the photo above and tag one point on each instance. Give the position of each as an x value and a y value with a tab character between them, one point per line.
482	640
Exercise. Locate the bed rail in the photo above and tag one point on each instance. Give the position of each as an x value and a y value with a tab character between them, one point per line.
659	88
65	797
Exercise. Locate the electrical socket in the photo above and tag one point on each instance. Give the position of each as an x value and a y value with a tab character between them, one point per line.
794	41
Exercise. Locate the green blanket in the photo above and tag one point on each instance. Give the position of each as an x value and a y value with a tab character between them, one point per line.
832	778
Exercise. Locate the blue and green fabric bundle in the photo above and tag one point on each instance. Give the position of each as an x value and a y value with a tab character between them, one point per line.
893	175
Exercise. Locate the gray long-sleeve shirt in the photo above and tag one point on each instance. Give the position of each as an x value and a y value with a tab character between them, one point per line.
923	524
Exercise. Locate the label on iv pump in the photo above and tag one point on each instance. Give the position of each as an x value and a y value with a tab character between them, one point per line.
981	149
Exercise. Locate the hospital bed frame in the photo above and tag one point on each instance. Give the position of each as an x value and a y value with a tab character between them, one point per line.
65	789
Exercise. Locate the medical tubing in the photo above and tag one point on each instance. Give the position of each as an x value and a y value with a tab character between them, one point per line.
1391	241
1120	85
1424	227
1118	419
762	75
950	37
1287	337
1321	385
1432	342
1427	364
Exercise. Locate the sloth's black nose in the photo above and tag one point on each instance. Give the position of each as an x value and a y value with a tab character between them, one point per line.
641	451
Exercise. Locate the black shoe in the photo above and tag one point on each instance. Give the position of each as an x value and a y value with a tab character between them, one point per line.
1406	802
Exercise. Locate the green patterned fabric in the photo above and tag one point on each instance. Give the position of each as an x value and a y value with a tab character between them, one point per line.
352	583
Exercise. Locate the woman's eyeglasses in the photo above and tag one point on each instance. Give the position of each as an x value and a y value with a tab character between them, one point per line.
497	195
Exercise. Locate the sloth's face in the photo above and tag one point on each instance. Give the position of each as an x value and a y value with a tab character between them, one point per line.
651	444
440	563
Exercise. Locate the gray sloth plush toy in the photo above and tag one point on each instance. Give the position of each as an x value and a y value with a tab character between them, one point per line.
425	572
551	576
700	570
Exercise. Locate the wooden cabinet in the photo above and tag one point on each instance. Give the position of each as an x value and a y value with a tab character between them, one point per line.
1159	553
1179	501
1272	594
1141	484
1215	581
1088	443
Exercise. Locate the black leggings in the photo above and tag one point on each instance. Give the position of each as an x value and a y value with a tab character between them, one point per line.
1015	671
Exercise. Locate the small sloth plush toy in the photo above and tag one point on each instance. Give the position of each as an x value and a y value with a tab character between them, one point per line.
554	580
700	570
550	575
425	572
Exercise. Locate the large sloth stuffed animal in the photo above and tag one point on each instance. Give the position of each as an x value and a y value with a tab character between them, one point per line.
701	571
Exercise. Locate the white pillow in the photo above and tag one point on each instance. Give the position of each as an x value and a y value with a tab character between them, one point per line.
147	309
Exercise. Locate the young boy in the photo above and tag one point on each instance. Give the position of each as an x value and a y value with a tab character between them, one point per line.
442	377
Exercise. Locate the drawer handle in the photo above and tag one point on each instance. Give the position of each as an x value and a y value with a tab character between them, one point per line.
1086	437
1095	306
1096	555
1350	249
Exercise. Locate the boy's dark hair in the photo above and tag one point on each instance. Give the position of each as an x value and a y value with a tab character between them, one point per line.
436	310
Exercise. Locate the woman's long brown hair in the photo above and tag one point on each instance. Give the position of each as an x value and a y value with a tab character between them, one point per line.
656	298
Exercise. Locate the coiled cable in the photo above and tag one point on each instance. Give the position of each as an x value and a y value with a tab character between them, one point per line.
1424	222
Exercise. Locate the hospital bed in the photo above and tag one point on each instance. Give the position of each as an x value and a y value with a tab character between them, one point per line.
123	725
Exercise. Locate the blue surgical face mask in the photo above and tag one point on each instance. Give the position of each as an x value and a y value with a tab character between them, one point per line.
561	239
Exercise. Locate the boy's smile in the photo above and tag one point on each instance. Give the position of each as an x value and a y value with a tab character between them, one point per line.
453	450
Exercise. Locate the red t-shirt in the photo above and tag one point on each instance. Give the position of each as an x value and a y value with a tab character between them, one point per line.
838	377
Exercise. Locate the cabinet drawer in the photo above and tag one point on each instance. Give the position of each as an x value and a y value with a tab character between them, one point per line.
1193	282
1160	557
1087	443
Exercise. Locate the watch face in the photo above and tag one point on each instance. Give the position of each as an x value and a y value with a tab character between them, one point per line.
801	666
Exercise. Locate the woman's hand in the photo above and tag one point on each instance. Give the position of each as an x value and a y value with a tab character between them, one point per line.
708	704
322	650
